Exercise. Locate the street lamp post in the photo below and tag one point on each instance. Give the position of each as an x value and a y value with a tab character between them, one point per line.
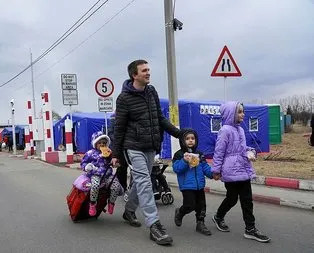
13	127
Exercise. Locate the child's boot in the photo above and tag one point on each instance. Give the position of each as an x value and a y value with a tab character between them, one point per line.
110	207
201	228
92	209
178	217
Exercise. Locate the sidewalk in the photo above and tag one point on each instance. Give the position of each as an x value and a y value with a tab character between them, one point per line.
261	193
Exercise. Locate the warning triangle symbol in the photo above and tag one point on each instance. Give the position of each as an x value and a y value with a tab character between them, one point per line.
226	65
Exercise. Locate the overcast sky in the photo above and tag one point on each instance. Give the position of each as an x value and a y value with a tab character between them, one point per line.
271	41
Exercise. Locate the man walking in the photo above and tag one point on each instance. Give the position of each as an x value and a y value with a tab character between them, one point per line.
139	127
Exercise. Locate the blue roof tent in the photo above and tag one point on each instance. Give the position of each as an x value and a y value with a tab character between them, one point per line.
84	125
204	117
19	131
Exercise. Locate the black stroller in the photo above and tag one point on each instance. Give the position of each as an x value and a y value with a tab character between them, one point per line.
161	188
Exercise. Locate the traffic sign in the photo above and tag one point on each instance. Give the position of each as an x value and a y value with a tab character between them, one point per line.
69	81
105	104
70	97
226	65
69	89
104	87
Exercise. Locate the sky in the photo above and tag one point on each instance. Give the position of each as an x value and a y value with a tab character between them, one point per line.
271	42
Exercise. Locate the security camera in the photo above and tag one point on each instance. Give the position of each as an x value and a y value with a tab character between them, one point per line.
177	24
13	109
12	101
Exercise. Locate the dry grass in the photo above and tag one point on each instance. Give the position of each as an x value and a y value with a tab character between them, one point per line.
294	158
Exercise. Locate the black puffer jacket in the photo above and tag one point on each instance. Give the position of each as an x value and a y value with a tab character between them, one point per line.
139	123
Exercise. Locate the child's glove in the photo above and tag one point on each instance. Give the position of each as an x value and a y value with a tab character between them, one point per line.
90	167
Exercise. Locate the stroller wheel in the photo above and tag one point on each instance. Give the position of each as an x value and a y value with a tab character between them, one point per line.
164	199
126	197
170	198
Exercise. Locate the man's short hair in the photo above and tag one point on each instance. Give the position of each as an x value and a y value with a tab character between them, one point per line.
132	68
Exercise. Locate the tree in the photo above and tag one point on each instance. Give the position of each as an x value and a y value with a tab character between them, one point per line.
55	115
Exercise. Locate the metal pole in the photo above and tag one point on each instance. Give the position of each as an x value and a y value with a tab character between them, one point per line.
171	71
71	112
33	86
225	89
106	123
13	129
171	64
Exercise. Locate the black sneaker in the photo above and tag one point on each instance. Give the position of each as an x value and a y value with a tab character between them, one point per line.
201	228
159	235
131	218
220	224
254	234
178	217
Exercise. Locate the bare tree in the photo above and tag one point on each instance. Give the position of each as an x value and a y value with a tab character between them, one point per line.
55	115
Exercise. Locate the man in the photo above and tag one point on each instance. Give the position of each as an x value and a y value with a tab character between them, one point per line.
138	133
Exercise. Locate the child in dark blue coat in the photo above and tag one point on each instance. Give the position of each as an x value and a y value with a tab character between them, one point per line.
191	168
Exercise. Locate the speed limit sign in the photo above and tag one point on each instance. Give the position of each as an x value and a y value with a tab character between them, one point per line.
104	87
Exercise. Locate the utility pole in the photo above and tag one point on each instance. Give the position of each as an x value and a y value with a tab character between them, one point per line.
33	87
13	127
172	24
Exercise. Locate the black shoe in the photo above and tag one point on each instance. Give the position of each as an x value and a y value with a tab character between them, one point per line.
159	235
178	217
220	224
201	228
131	218
254	234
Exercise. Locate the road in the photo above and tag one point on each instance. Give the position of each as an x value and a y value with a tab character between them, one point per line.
34	218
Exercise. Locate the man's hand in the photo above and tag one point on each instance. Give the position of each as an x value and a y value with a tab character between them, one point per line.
115	162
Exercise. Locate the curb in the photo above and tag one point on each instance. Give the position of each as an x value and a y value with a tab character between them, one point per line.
73	166
280	182
296	184
263	199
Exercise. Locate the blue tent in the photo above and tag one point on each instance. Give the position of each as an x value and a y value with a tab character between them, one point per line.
84	125
19	133
205	118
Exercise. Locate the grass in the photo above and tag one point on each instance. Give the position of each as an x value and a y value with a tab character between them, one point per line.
293	158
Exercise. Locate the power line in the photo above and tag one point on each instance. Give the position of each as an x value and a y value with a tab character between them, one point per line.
82	42
48	51
55	44
69	29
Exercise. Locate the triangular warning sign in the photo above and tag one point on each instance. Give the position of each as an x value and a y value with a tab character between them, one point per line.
226	65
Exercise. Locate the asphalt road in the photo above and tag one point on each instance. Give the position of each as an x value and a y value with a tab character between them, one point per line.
34	218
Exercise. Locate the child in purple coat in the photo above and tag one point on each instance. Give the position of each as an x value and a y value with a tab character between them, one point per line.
97	163
232	164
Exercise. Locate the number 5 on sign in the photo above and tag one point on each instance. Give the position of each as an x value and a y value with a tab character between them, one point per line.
104	87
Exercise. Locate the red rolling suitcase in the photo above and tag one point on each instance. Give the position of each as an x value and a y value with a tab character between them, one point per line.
78	203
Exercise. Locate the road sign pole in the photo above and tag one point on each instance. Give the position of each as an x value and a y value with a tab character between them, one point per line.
106	123
225	89
71	114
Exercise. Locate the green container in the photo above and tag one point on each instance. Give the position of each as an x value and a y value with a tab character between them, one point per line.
274	124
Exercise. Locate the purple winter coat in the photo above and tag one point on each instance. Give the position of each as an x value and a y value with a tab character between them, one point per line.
95	157
230	159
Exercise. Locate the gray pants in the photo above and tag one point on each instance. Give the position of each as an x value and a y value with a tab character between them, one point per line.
141	192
